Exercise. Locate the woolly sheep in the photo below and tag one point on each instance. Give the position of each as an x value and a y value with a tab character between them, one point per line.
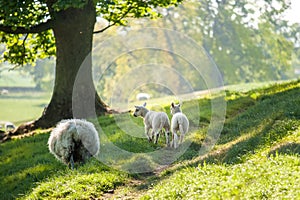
4	92
179	122
74	141
155	121
142	96
9	126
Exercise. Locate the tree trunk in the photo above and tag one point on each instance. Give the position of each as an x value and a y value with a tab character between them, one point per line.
74	89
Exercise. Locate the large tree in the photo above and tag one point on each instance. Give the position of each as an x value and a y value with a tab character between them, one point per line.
35	29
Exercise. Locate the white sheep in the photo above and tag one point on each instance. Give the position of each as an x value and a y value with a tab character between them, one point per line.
9	126
179	123
4	92
157	121
74	141
142	96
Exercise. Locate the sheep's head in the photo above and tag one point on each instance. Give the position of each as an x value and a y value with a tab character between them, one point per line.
175	108
140	111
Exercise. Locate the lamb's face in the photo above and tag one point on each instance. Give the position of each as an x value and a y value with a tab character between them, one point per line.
175	108
138	111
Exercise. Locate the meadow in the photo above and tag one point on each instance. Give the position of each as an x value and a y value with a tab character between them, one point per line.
22	107
22	103
257	156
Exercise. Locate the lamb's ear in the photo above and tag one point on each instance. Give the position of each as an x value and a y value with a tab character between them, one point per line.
172	104
145	104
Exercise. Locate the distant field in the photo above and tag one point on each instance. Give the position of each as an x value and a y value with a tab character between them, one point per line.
19	107
22	107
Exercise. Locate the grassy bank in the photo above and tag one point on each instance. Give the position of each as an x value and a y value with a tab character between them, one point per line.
257	156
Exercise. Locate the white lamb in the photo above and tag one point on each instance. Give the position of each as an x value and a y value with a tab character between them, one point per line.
179	123
74	141
157	121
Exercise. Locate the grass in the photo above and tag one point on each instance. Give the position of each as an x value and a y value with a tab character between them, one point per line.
19	107
269	178
256	156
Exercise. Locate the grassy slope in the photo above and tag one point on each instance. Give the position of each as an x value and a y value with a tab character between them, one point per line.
257	156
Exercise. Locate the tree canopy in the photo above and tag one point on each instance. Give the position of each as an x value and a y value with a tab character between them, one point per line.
38	29
25	26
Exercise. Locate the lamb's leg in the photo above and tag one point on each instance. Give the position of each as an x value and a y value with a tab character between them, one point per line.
172	142
147	129
181	133
168	138
175	139
156	136
152	136
181	138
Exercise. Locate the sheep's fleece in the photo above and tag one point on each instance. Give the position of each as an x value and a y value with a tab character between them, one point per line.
74	138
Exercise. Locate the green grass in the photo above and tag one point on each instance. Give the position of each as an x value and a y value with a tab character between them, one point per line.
256	157
268	178
26	166
22	107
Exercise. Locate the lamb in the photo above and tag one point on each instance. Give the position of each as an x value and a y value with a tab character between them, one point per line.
179	123
74	141
155	121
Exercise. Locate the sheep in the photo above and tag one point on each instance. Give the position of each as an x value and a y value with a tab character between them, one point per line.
155	121
74	141
4	92
142	96
179	122
9	126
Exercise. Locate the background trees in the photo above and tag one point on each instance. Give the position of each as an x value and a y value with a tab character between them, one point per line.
38	29
248	40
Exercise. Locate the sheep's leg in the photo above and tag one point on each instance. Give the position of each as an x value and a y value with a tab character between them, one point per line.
152	135
156	136
72	162
175	139
147	129
172	142
181	133
181	137
167	138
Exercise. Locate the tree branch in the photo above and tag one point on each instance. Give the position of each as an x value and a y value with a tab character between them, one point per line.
22	30
107	27
115	22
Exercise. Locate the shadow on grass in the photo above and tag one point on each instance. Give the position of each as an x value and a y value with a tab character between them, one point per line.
23	163
290	148
270	119
250	126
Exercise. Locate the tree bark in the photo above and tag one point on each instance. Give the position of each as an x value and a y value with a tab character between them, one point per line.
73	88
